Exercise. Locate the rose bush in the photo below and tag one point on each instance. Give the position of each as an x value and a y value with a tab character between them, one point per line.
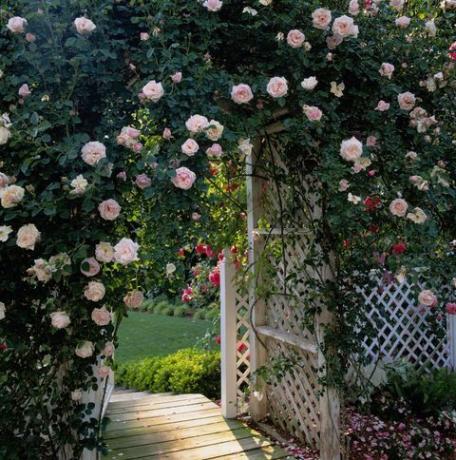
108	110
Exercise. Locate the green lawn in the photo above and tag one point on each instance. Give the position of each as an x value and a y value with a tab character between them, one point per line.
145	334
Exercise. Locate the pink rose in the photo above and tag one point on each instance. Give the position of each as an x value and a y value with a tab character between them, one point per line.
103	371
371	141
94	291
398	207
277	87
126	251
214	151
108	350
143	181
4	180
60	319
109	209
383	106
16	25
343	185
344	26
427	298
295	38
84	26
321	18
24	90
241	94
167	135
312	113
450	308
196	216
104	252
85	349
386	70
30	37
176	77
334	41
101	316
196	124
213	5
353	7
406	100
134	299
351	149
190	147
93	152
27	237
184	178
122	175
153	91
90	267
144	36
403	22
397	4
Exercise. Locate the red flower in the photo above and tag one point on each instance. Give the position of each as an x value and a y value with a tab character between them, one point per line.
181	252
218	339
452	51
234	250
399	248
200	249
241	347
220	256
374	228
371	203
187	295
346	244
209	252
451	308
214	277
3	346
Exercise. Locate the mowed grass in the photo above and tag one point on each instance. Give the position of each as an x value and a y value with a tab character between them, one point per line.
145	334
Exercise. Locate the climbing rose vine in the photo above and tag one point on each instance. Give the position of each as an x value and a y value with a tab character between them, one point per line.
128	105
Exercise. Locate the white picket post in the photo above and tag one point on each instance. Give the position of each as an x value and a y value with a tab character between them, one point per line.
451	331
228	338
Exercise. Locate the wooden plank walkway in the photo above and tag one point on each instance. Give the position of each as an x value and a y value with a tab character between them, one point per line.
180	427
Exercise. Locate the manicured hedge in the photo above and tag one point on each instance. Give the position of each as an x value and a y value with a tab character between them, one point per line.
186	371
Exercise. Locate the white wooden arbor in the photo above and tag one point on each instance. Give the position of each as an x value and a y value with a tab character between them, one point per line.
268	328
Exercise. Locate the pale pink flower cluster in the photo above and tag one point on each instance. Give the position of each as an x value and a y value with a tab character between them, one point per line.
134	299
312	113
11	196
109	209
321	18
60	319
126	251
420	119
101	316
295	38
104	252
277	87
406	100
190	147
351	149
197	124
152	91
214	151
398	207
241	94
16	25
90	267
93	152
184	178
213	5
386	70
84	26
427	298
24	91
94	291
27	237
128	138
143	181
85	349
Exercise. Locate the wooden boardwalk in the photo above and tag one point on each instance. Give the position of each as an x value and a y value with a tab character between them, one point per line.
180	427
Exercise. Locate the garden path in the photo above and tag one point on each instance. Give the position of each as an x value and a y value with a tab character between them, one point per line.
180	427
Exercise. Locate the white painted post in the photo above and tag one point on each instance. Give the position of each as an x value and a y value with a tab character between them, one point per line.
228	321
258	356
451	331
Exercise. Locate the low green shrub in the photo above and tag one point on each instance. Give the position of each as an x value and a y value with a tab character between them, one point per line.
167	311
199	314
180	311
212	314
186	371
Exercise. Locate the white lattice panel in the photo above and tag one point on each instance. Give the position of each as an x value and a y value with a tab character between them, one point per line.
401	328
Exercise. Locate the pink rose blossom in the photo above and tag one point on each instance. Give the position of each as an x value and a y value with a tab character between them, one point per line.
344	26
30	37
427	298
295	38
85	349
143	181
196	124
397	4
144	36
383	106
134	299
184	178
343	185
94	291
403	22
312	113
213	5
90	267
277	87
398	207
101	316
126	251
109	209
93	152
27	237
450	308
452	51
371	141
167	135
241	94
351	149
84	26
196	216
176	77
103	371
321	18
104	252
17	25
153	91
214	151
24	90
60	319
190	147
353	7
406	100
122	175
334	41
386	70
108	350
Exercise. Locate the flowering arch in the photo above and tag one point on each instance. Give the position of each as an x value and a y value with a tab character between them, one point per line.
87	87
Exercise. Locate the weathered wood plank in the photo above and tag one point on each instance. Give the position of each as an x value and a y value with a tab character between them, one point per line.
157	405
153	421
172	426
213	451
166	411
266	453
183	444
154	436
152	399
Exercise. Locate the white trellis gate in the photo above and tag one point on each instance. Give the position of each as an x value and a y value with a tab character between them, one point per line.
297	403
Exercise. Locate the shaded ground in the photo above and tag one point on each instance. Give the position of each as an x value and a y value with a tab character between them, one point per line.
144	334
